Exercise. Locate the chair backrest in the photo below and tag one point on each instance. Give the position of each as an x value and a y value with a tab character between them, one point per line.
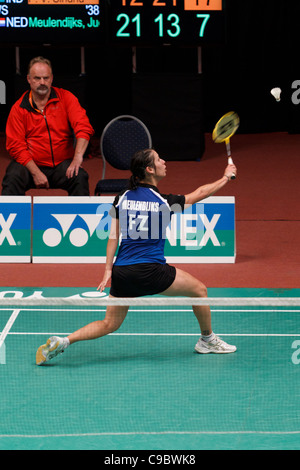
121	138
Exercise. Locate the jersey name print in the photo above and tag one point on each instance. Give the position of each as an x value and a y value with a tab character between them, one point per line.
140	205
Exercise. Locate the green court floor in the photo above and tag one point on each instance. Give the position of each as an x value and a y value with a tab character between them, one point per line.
144	387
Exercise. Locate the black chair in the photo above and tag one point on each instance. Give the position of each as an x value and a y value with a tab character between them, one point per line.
120	139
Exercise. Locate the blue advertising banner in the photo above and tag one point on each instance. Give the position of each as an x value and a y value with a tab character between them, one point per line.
76	229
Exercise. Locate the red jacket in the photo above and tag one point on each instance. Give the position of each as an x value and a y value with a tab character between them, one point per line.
48	137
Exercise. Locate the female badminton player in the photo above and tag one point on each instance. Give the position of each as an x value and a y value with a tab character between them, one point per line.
141	215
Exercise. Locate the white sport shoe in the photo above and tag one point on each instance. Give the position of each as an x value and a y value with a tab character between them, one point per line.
54	346
217	346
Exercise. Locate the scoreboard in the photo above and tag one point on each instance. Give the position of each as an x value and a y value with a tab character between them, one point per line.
134	22
167	21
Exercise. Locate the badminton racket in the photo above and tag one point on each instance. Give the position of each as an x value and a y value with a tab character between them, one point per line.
225	128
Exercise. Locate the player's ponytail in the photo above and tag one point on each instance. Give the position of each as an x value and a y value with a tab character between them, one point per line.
139	163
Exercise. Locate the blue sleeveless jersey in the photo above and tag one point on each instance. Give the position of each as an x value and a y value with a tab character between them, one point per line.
144	215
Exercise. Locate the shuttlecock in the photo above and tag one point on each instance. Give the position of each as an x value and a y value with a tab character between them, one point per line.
276	92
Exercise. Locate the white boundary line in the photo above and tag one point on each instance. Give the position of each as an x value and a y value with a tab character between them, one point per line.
148	433
27	333
8	325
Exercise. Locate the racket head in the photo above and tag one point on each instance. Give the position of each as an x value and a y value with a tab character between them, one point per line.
226	127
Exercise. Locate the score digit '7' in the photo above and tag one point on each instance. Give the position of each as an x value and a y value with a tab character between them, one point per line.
205	17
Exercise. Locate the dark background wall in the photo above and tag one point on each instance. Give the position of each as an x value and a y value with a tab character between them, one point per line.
261	52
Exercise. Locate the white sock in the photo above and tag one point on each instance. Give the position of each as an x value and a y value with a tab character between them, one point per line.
66	342
208	338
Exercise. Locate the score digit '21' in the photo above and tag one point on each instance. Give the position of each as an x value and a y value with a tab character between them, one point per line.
168	20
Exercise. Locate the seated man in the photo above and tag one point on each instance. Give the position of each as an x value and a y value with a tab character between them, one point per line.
40	137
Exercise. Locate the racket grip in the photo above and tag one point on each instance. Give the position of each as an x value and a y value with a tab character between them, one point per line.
230	162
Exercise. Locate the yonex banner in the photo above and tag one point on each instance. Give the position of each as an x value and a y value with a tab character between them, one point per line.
76	229
15	229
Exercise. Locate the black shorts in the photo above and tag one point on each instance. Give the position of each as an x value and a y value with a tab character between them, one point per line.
137	280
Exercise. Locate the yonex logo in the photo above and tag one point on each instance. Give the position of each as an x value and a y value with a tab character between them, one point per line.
5	229
191	236
78	236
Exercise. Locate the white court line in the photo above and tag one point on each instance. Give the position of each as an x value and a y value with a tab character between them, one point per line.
148	433
8	325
